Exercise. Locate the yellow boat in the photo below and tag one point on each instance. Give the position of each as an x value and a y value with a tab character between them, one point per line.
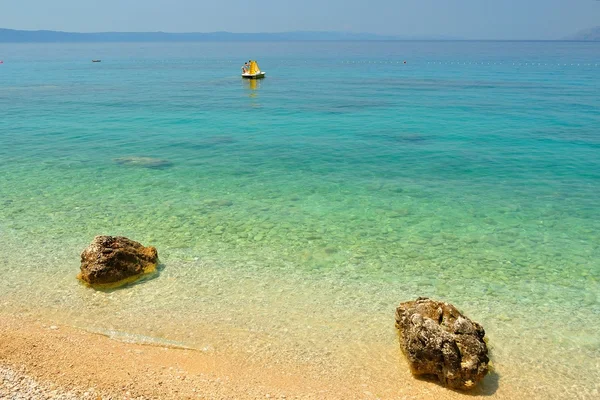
254	72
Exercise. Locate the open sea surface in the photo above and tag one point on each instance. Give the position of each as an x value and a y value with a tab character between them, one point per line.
293	214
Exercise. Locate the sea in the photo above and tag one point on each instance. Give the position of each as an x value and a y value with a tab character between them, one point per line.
293	214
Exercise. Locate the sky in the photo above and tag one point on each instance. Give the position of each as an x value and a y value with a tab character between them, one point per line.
465	19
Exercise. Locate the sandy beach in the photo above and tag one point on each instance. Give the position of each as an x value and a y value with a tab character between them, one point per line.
39	360
70	362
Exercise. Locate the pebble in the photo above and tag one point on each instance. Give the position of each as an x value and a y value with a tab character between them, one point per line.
17	386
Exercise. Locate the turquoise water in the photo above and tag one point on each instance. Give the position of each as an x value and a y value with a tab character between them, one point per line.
292	214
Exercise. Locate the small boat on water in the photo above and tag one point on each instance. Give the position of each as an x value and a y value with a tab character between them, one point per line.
253	72
96	60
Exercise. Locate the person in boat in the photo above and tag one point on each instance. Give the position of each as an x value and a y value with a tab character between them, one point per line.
245	68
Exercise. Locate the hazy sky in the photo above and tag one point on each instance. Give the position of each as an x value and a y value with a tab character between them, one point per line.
469	19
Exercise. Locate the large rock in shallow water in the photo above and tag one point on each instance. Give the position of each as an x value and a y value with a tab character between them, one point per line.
116	260
438	340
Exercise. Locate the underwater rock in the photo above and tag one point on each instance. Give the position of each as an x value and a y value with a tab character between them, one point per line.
219	203
220	139
438	340
145	162
116	260
412	138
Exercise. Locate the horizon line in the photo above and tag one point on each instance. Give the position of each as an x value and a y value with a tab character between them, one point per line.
368	36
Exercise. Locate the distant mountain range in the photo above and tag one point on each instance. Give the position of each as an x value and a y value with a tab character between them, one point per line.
18	36
591	35
45	36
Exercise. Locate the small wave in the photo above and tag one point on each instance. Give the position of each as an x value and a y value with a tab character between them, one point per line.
127	337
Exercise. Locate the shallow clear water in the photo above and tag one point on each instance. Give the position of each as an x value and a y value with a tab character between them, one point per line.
292	214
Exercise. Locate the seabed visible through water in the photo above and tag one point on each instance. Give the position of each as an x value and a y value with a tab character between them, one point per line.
291	218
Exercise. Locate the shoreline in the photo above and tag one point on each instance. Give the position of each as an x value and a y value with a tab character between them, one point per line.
59	360
77	361
338	353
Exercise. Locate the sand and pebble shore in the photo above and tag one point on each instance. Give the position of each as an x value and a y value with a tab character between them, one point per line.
43	361
40	360
16	384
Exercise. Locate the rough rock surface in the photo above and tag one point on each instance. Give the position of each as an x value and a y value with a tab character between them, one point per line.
112	259
439	340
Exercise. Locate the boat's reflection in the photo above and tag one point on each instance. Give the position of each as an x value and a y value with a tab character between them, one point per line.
253	85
